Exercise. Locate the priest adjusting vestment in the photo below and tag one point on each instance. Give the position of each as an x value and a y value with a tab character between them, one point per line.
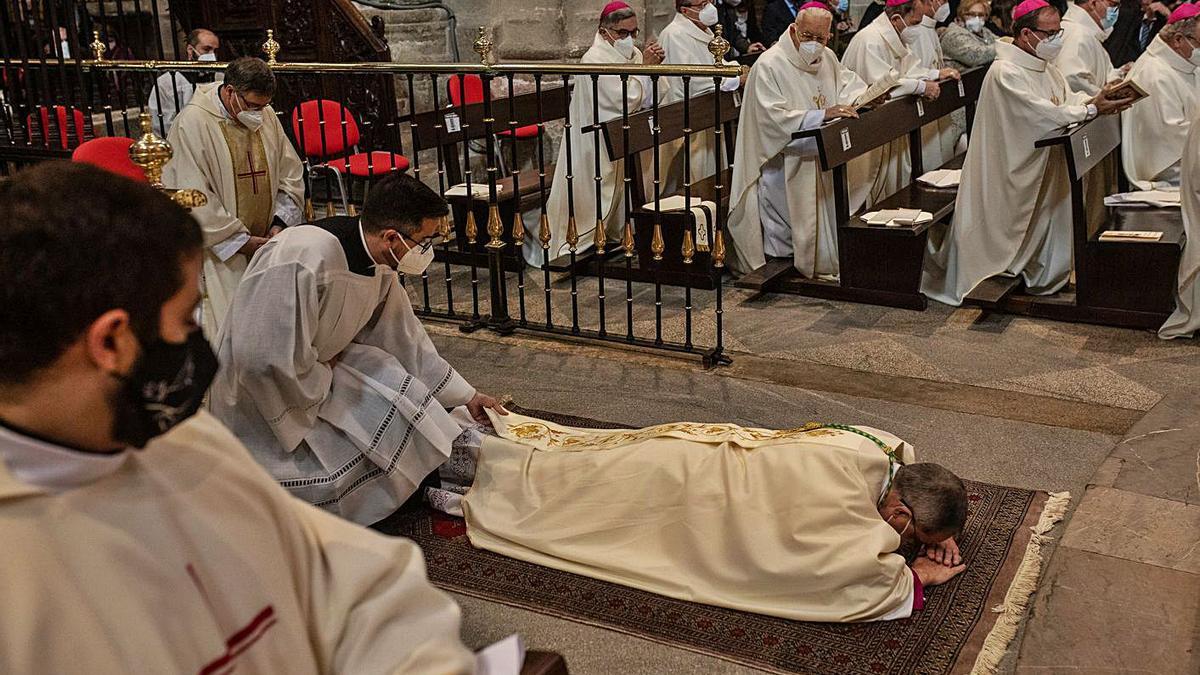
1083	60
939	137
330	379
1185	320
686	44
783	523
1153	132
875	53
184	557
580	162
249	177
1013	211
781	201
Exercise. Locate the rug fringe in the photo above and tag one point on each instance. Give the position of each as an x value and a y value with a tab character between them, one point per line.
1025	582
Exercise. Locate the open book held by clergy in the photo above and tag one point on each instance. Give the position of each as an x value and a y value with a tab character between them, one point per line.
801	523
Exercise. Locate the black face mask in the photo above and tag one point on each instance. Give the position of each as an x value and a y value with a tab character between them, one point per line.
165	387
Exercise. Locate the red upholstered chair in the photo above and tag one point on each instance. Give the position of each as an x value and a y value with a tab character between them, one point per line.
472	87
328	135
110	153
63	127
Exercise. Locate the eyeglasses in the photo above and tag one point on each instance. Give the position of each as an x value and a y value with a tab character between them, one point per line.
1049	35
809	37
912	520
622	33
253	107
424	245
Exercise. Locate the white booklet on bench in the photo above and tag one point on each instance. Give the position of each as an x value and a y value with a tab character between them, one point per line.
942	178
1160	198
1130	235
897	217
460	190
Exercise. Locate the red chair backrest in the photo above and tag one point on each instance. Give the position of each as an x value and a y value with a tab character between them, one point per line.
473	84
63	128
319	130
110	153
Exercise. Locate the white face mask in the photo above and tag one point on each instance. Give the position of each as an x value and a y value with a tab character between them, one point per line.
708	16
624	46
251	119
910	34
733	3
1194	59
212	56
942	13
810	52
1048	50
415	262
974	24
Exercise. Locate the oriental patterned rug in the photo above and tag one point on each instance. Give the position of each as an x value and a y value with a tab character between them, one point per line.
945	637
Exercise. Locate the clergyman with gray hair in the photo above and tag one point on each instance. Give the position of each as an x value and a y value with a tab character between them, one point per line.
230	145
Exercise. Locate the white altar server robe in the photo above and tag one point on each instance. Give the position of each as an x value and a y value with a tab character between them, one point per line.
779	192
939	137
1013	211
1153	132
185	557
1185	320
331	381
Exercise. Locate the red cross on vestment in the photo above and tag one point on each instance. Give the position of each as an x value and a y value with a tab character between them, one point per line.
252	174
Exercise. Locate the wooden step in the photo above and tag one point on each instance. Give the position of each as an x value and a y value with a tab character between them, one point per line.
991	292
761	278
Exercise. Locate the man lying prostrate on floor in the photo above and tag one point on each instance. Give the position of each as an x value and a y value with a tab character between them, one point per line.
138	535
802	523
329	378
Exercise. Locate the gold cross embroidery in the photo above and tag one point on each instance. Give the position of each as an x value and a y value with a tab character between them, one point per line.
1055	100
819	100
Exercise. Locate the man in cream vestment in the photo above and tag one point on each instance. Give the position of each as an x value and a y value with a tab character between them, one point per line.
781	201
801	524
939	137
229	145
182	556
1084	61
1012	215
330	380
876	53
573	191
1153	132
685	42
1185	320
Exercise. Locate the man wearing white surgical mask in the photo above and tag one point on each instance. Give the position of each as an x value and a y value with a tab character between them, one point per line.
328	377
938	138
173	90
1084	61
685	42
781	202
229	144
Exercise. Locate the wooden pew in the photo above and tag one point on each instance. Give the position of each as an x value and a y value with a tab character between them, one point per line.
671	269
432	130
1117	283
878	265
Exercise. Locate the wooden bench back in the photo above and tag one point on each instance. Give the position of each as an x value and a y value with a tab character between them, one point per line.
1086	144
702	115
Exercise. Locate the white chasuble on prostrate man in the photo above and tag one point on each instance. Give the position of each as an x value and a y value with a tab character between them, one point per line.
1185	320
939	137
1153	132
783	523
781	202
876	53
686	44
1013	211
580	163
249	178
184	557
328	377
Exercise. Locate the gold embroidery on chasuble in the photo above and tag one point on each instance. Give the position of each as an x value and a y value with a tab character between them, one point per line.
252	177
819	100
580	439
1055	100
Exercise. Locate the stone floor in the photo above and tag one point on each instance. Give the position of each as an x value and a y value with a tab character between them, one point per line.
1110	415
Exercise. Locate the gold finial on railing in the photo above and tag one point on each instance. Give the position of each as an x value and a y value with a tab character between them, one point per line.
310	213
518	229
271	47
572	233
150	152
657	245
444	228
97	46
483	47
718	249
600	238
627	239
495	227
689	247
719	46
544	234
472	230
330	211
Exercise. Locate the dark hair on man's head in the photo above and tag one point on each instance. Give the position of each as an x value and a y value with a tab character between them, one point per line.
936	496
75	242
249	73
1029	21
193	36
401	202
899	10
